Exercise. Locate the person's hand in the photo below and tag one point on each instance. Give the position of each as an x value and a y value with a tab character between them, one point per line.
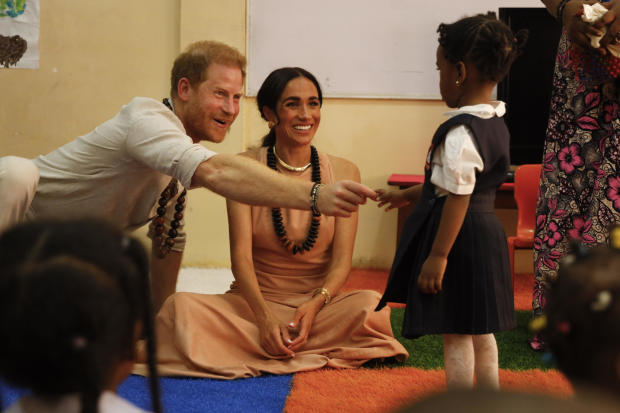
393	197
302	322
610	19
576	29
431	275
343	197
274	337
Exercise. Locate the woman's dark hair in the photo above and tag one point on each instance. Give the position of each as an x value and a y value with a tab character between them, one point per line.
272	88
484	41
583	317
71	295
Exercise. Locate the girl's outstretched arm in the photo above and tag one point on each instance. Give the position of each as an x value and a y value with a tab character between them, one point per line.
398	198
452	217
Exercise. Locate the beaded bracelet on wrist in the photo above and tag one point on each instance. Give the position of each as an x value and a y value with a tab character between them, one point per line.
276	213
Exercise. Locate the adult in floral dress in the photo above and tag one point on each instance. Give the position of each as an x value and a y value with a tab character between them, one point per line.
579	194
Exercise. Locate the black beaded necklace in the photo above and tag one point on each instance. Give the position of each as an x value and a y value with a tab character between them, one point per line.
165	245
276	213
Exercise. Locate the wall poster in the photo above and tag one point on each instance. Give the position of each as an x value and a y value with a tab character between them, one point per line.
19	34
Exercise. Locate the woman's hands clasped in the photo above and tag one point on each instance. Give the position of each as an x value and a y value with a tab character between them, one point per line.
275	337
302	322
281	339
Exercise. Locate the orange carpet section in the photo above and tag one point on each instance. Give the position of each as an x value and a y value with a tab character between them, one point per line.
360	279
384	390
524	286
361	390
550	382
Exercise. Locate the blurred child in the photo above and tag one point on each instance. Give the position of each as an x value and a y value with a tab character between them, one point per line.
583	317
451	266
74	299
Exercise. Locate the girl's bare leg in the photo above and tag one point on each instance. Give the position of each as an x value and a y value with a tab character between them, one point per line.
458	354
486	365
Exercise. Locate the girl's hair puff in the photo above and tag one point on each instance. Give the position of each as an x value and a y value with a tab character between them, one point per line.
483	41
71	295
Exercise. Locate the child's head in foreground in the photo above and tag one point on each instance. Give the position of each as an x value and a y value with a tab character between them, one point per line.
74	298
583	316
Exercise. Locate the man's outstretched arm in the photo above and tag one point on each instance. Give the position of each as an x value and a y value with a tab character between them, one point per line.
245	180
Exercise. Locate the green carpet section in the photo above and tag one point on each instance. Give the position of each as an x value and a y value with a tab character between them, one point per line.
426	352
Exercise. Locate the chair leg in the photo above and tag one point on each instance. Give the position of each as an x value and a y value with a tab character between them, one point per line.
511	255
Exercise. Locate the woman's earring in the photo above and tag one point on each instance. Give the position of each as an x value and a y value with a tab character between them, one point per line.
458	82
271	124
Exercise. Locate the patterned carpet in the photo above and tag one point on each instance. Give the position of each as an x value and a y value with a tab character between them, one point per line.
379	388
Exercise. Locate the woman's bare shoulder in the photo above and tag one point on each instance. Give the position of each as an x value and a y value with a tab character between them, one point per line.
344	169
251	153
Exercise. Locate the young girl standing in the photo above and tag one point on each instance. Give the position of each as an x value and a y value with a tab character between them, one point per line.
451	265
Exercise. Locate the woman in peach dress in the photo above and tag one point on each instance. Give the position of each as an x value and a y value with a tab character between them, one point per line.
284	313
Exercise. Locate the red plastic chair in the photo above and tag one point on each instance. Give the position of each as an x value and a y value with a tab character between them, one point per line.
527	181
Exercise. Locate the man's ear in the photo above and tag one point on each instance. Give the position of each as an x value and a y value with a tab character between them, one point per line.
184	89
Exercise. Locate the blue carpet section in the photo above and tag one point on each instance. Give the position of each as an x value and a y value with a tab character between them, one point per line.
9	395
260	394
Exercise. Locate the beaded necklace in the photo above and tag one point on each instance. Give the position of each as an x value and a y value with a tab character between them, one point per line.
166	244
276	213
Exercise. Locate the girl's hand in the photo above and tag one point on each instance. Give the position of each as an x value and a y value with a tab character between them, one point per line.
576	29
302	322
274	337
394	197
431	275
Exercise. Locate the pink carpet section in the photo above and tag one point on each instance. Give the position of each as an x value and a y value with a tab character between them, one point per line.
382	390
360	279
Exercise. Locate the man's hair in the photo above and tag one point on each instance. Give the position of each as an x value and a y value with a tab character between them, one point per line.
196	59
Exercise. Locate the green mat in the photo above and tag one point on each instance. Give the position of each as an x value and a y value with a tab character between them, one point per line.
427	352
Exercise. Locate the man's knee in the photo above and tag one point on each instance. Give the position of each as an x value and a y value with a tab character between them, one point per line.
18	175
19	179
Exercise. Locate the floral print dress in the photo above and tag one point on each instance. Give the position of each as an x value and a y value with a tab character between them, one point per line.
579	194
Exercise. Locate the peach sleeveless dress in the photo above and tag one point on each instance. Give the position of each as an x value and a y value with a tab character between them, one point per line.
216	336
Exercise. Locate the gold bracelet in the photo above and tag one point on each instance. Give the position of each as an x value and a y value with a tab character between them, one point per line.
324	292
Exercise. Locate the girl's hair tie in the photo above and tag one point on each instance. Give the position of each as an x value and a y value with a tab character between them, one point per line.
602	301
79	342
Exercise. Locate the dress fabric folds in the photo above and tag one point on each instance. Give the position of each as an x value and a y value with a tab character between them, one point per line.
217	336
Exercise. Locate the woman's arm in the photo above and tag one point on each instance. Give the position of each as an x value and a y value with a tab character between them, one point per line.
273	332
339	265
